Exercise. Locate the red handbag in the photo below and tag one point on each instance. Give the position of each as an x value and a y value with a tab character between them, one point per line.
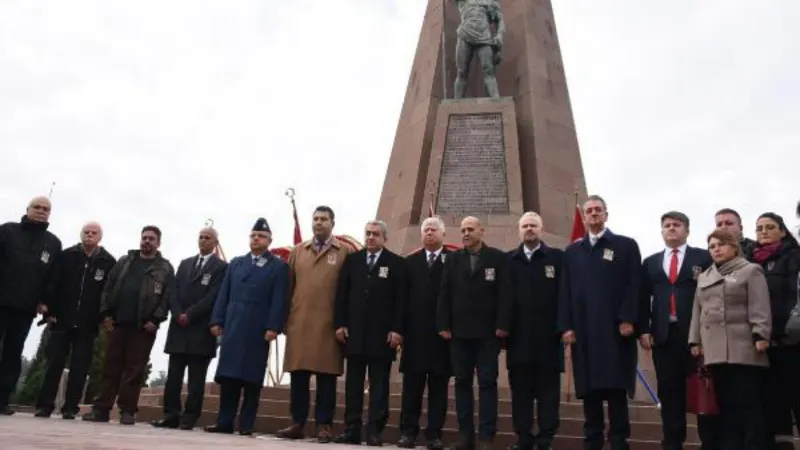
701	399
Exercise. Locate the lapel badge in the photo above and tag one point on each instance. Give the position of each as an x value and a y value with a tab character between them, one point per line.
489	274
98	275
157	288
770	266
206	279
442	255
261	261
383	272
608	254
45	256
549	271
696	271
332	259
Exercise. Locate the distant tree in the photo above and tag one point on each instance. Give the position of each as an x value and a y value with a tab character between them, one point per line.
96	370
147	372
159	380
29	389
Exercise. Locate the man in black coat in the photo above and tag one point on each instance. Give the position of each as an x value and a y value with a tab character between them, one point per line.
369	309
190	344
669	281
425	356
27	285
535	357
74	320
474	314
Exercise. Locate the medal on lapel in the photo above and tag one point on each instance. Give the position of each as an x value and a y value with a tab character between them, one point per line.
549	271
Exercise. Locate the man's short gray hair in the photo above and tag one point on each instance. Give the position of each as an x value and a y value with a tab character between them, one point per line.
533	216
435	220
382	225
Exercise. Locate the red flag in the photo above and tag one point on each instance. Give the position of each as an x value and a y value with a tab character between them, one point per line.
578	229
297	237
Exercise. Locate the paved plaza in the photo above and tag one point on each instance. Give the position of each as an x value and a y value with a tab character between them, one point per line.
25	432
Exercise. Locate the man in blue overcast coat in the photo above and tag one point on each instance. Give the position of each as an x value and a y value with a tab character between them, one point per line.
248	314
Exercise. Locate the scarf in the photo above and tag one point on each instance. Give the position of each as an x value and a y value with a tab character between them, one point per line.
731	266
763	252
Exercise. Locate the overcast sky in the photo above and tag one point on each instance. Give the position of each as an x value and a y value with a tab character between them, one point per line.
174	112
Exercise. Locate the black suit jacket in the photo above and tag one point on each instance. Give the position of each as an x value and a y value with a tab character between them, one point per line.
424	351
194	295
474	303
656	292
370	303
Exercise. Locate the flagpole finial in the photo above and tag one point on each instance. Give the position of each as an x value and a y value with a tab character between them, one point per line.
210	223
290	193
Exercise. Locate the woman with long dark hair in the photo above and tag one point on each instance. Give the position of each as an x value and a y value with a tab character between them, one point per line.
778	253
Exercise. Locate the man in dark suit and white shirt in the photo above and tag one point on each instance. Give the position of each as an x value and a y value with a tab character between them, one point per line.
426	356
368	319
669	280
474	314
189	342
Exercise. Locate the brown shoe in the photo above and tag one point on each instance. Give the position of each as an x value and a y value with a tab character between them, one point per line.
324	434
292	432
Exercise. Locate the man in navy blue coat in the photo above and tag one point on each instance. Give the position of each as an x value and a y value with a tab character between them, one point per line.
669	280
249	314
598	306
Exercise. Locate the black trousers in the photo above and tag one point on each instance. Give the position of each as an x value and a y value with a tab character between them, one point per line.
619	430
783	392
411	407
673	363
469	356
14	328
739	391
378	372
195	387
80	345
325	406
530	383
230	392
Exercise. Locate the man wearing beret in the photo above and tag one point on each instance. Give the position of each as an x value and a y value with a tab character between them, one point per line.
249	314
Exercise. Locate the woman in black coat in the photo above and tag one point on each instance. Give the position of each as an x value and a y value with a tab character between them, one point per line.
778	253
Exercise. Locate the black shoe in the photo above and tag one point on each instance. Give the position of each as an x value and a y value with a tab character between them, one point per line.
127	418
166	423
186	426
348	437
68	415
435	444
218	429
43	413
245	432
374	440
96	415
6	411
407	441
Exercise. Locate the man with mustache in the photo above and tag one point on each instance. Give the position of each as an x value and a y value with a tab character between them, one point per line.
27	284
598	307
369	324
74	319
134	303
474	313
248	315
669	281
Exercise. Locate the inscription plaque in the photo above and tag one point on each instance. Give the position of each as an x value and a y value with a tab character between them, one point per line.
473	179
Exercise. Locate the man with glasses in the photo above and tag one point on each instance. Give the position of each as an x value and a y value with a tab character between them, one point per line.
598	307
189	342
248	315
134	303
27	284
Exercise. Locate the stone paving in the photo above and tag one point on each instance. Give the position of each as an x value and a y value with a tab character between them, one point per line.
25	432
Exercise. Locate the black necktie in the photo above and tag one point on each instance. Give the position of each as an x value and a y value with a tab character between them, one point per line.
431	259
198	265
371	262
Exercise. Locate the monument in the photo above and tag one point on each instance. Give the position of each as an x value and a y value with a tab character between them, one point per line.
486	127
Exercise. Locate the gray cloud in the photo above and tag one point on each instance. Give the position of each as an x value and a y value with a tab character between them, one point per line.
171	113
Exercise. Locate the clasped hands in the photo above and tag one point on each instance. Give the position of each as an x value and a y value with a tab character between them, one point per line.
625	330
394	340
269	335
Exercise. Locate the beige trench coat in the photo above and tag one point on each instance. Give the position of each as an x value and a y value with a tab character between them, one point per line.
310	338
728	313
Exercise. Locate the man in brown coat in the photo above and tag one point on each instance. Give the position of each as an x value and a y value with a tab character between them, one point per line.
311	345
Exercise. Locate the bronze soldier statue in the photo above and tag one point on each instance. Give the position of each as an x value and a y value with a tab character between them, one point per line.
475	37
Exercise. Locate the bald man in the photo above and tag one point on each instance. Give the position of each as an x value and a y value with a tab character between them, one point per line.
27	285
74	319
189	342
474	313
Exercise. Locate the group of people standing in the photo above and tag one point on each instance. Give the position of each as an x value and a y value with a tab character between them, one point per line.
451	311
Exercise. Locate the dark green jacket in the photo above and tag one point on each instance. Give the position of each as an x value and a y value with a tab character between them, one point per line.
159	280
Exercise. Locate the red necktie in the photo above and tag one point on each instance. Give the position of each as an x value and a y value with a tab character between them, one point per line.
673	277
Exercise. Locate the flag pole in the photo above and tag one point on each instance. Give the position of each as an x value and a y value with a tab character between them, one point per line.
444	50
52	185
